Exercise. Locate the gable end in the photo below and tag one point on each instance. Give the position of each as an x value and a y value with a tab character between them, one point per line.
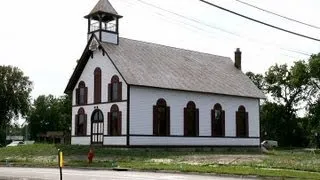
79	68
82	63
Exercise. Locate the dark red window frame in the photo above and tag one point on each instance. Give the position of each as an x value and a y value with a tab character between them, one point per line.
115	89
80	127
97	85
114	121
242	122
161	118
191	119
218	121
81	94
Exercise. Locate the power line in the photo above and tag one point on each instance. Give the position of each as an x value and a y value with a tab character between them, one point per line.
184	23
255	20
217	28
279	15
190	19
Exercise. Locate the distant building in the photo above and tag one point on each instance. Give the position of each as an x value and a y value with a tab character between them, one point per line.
128	93
14	138
55	137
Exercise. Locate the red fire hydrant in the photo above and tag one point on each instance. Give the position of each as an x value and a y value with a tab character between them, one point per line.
90	155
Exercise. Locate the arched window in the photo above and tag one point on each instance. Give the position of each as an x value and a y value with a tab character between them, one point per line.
115	89
97	127
97	85
161	118
217	121
81	93
80	123
191	120
114	121
242	123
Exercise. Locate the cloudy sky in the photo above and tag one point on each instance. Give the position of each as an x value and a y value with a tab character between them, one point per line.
44	38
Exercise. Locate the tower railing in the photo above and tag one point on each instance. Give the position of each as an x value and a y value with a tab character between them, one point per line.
105	26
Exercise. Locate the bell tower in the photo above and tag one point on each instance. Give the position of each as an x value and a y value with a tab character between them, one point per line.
103	21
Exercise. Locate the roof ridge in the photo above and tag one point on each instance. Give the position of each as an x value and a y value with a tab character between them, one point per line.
156	65
188	50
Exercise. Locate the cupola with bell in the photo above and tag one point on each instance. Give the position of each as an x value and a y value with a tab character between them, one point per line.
103	21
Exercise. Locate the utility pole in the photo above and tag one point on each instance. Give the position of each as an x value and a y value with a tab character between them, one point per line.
26	126
6	126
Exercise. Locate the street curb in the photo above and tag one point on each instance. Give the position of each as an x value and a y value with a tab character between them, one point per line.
152	171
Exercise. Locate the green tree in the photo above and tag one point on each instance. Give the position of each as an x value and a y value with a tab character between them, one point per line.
314	65
257	79
314	100
272	121
274	125
49	114
15	89
65	109
14	129
314	124
288	86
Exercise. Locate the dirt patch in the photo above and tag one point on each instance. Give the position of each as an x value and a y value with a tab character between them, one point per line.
221	159
165	161
193	159
45	159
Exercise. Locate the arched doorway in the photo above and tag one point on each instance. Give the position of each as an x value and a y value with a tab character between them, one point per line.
97	127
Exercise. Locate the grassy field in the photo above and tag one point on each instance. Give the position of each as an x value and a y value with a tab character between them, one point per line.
300	164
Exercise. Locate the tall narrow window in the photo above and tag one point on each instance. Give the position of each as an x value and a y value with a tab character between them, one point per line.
97	85
81	94
218	121
114	121
161	118
242	122
97	120
191	120
81	123
115	89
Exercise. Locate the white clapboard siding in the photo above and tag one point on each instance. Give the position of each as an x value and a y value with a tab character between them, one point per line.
192	141
115	140
80	140
105	108
107	71
142	100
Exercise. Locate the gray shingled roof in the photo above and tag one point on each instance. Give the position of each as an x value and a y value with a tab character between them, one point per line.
148	64
104	6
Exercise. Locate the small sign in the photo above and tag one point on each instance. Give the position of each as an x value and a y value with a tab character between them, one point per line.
61	159
60	162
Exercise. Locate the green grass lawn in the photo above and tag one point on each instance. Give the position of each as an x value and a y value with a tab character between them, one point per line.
279	163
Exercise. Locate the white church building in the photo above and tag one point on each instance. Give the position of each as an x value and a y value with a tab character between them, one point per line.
129	93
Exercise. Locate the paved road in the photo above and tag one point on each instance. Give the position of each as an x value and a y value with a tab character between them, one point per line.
72	174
